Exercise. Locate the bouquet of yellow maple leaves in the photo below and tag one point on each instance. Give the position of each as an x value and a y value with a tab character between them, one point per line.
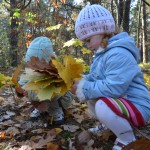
52	78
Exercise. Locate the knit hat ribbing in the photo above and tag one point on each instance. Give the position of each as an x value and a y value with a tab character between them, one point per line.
37	48
92	20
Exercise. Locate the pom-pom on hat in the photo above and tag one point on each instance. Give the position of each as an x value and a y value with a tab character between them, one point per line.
40	47
94	19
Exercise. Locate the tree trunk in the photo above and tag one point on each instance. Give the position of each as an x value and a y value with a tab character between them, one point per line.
144	37
139	29
126	15
13	37
138	23
14	33
95	2
120	12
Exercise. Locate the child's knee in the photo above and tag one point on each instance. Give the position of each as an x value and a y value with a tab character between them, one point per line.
101	110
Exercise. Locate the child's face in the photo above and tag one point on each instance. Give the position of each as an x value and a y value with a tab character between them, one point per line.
94	42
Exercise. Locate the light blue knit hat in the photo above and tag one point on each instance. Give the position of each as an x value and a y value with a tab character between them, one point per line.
38	47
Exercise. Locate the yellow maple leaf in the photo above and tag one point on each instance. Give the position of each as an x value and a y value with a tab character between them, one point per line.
48	92
54	27
73	42
40	84
31	75
85	50
69	70
15	75
5	81
63	88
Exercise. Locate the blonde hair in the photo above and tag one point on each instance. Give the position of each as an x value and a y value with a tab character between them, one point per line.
107	36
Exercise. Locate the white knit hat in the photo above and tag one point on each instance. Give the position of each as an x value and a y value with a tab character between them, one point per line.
38	47
92	20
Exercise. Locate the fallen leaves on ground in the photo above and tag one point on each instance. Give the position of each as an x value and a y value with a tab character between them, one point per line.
17	132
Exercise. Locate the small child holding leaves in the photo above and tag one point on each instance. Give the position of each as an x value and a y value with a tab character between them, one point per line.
55	106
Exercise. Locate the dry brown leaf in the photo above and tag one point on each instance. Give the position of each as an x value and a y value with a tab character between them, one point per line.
42	66
16	75
84	137
43	141
1	91
78	118
19	90
7	123
12	131
54	131
71	128
1	99
38	131
35	138
25	147
106	134
71	147
63	1
51	146
138	145
90	143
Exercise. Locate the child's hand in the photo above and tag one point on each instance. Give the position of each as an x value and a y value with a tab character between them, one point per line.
76	90
74	87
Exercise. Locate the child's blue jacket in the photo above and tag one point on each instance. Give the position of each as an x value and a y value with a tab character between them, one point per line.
115	73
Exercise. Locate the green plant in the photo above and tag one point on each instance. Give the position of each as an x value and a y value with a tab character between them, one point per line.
67	135
145	65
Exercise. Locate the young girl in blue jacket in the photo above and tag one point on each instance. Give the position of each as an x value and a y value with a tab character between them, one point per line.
114	89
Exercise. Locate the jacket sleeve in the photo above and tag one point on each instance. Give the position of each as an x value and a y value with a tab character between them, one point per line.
119	73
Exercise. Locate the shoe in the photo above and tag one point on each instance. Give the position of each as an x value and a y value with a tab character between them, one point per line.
98	129
118	145
58	118
35	114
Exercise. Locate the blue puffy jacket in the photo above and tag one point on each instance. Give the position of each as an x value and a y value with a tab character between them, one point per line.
115	73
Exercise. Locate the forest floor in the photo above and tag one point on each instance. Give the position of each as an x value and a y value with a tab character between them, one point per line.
17	132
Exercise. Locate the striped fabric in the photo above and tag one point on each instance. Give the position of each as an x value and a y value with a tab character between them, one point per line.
125	109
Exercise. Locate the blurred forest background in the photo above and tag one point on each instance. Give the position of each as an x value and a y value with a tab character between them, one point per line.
23	20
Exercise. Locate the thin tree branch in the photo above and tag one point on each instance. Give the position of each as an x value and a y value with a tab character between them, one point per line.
140	132
25	6
7	1
146	3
